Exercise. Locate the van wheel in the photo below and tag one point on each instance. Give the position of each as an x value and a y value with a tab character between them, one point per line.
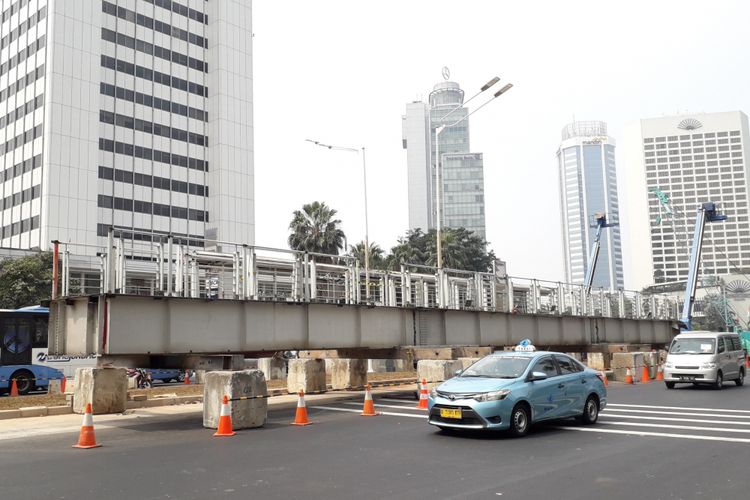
670	385
719	381
740	379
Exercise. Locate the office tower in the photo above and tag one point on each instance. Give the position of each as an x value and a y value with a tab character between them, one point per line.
136	115
462	171
588	186
676	164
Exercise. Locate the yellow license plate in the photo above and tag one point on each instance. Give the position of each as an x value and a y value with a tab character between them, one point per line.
450	413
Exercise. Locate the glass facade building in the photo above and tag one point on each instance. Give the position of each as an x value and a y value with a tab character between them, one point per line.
588	185
462	171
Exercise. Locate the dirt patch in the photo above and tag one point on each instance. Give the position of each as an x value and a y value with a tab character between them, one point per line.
8	403
180	390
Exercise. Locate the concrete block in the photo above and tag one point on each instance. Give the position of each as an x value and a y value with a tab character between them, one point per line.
251	363
59	410
54	387
466	362
347	373
105	388
8	414
574	355
651	359
307	375
621	361
245	414
273	368
599	361
437	370
387	365
33	411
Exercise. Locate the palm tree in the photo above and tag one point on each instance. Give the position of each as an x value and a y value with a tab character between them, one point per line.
315	229
376	254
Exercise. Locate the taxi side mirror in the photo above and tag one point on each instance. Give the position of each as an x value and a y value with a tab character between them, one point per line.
537	376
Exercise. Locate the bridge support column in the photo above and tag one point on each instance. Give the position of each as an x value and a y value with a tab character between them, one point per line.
247	413
105	388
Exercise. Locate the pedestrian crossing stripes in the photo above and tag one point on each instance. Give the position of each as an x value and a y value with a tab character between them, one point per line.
671	422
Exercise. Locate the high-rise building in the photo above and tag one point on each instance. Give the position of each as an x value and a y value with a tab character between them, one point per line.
133	114
462	171
588	186
678	163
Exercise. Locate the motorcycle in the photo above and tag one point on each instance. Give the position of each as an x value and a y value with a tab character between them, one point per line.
142	378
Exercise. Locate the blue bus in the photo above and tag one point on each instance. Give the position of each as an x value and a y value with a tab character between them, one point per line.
22	331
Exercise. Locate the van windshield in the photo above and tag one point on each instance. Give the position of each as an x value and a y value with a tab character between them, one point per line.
693	346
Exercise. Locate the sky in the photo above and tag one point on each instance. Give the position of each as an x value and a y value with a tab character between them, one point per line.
342	71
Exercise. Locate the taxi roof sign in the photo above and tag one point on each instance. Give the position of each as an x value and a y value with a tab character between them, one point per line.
525	346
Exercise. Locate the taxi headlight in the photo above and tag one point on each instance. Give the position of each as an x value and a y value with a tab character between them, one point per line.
492	396
433	393
708	365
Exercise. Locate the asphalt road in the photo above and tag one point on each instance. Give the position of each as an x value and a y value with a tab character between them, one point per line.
694	443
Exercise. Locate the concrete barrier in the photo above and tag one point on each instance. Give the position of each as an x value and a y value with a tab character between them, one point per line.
8	414
388	365
273	368
307	375
246	414
105	388
621	361
601	361
33	411
347	373
54	387
437	370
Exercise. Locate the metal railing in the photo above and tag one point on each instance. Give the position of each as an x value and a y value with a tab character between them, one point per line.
168	266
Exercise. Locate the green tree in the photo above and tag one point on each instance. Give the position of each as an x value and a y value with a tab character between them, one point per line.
462	249
377	256
25	281
316	229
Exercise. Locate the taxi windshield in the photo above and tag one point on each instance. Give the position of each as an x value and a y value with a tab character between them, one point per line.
693	346
498	367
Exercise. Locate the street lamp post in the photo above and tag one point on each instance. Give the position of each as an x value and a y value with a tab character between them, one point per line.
367	229
438	190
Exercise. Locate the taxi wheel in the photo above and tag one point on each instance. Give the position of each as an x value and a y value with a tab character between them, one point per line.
519	420
590	411
670	385
740	381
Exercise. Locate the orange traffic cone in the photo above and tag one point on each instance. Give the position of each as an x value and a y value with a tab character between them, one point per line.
63	383
645	378
423	396
369	408
14	389
300	418
659	373
628	377
87	439
187	377
225	419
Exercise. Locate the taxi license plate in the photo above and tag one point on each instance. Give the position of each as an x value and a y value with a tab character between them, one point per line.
687	378
450	413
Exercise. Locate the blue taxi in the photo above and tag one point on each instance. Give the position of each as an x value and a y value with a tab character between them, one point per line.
512	390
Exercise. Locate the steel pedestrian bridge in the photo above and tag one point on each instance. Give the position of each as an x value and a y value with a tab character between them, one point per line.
155	295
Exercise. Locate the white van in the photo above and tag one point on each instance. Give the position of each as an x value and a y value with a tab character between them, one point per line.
705	358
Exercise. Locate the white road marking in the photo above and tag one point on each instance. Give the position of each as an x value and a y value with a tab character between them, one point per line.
394	414
678	408
669	419
658	434
686	427
685	413
387	406
394	400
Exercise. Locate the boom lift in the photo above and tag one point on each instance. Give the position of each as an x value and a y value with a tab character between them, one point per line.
707	212
600	222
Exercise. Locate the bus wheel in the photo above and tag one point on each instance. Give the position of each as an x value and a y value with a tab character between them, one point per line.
24	381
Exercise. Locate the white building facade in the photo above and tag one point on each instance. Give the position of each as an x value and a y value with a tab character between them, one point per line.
676	163
588	186
132	114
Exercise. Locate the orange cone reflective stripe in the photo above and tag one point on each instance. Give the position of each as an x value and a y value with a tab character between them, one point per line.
87	439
